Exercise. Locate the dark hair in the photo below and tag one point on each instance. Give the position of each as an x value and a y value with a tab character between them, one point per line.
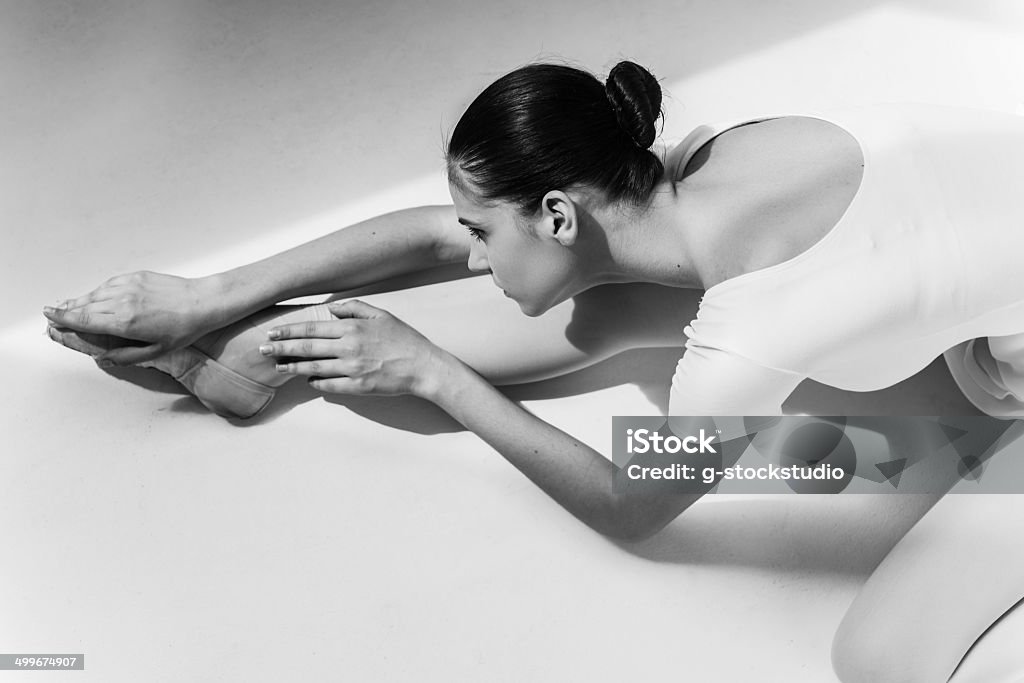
548	126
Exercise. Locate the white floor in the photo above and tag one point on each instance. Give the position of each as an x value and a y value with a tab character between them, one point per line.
370	539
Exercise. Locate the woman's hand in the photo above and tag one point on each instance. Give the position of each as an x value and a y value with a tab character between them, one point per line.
165	311
365	351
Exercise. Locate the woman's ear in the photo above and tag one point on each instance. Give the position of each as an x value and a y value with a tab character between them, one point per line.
559	220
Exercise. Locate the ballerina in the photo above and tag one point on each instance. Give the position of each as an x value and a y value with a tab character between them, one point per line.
851	248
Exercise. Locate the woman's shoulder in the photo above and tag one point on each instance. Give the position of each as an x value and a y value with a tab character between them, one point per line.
726	152
770	188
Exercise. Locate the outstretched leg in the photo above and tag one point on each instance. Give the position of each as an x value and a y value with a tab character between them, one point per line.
466	317
470	319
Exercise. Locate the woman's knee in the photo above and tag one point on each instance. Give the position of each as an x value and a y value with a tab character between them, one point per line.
879	650
857	654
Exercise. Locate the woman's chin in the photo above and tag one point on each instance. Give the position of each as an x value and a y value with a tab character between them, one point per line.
530	309
524	306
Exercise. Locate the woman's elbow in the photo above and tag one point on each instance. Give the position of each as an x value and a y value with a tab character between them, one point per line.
635	533
634	522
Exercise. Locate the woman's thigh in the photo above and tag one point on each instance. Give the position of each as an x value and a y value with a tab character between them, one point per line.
947	580
997	656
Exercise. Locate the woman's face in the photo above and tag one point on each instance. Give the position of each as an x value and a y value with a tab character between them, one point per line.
530	266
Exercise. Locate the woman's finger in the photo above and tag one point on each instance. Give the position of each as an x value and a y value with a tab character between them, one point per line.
101	293
89	318
89	344
329	329
301	348
105	349
130	355
323	367
123	279
95	301
338	385
354	308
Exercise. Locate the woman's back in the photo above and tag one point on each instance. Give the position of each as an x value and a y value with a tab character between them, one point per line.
922	258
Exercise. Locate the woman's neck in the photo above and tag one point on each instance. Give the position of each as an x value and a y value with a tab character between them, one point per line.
659	243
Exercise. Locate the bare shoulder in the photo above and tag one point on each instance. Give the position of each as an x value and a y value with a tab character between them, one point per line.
774	144
773	188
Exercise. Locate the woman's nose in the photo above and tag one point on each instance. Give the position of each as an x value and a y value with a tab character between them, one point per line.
478	259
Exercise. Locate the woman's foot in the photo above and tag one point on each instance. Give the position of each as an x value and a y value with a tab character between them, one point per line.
224	369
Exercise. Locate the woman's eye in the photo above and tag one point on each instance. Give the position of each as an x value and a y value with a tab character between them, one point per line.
476	234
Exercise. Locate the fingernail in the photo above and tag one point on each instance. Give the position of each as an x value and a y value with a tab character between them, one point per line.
106	363
265	349
281	368
47	309
274	334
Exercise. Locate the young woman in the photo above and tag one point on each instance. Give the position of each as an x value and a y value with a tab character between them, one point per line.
851	248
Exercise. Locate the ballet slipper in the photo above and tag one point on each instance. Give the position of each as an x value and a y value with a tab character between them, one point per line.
218	387
224	370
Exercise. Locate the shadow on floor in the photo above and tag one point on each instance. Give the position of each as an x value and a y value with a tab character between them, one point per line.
851	538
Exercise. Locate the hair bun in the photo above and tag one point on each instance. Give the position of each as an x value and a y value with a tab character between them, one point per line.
635	97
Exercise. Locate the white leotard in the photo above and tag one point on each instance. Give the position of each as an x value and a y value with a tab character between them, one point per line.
925	260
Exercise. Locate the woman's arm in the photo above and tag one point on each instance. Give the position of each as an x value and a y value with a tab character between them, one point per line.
367	350
373	250
575	475
170	312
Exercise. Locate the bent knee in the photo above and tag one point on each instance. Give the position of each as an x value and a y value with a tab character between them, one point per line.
861	661
886	653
